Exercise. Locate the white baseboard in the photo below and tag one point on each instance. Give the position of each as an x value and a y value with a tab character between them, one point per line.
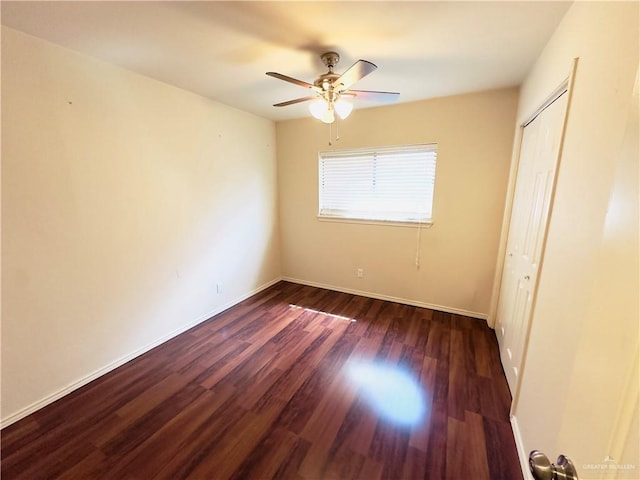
522	453
28	410
413	303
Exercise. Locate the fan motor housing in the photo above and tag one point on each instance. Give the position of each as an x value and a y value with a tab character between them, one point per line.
326	79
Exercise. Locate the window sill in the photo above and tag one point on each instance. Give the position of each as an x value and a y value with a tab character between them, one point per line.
390	223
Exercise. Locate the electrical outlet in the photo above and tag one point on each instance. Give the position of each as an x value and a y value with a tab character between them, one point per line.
218	287
359	273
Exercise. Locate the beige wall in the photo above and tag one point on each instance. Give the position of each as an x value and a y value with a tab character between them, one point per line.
474	133
124	202
584	334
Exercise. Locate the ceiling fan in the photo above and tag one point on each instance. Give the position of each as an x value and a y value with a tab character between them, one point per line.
330	89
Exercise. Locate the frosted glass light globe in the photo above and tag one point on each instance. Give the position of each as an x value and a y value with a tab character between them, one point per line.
343	108
320	110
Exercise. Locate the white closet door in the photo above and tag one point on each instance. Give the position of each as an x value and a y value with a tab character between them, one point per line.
531	206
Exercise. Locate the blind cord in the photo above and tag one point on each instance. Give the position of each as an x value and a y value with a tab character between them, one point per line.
418	241
419	237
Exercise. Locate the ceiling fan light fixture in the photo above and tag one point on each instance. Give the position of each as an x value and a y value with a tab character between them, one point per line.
343	108
326	103
328	116
321	110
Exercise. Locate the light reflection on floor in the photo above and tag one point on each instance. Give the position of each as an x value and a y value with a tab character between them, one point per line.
333	315
389	390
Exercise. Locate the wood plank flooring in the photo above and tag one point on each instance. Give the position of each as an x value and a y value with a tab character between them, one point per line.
293	383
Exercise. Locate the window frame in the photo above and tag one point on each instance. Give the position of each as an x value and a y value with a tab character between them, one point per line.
428	147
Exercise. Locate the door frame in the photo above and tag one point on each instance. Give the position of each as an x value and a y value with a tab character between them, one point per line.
566	86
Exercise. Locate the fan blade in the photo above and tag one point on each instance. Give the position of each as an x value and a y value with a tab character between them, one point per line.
385	97
297	100
354	73
295	81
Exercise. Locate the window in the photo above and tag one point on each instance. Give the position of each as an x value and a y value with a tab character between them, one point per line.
393	184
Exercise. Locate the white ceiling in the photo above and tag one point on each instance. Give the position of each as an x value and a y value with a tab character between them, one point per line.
222	50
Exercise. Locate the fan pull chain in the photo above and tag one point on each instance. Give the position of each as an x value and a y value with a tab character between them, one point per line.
337	131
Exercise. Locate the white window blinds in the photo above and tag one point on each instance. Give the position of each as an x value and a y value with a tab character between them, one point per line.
386	184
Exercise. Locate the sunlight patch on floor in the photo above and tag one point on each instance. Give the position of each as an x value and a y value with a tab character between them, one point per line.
333	315
389	390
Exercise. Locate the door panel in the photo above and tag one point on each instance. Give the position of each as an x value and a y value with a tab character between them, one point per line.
531	206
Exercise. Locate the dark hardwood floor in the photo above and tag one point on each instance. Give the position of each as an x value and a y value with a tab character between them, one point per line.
295	382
